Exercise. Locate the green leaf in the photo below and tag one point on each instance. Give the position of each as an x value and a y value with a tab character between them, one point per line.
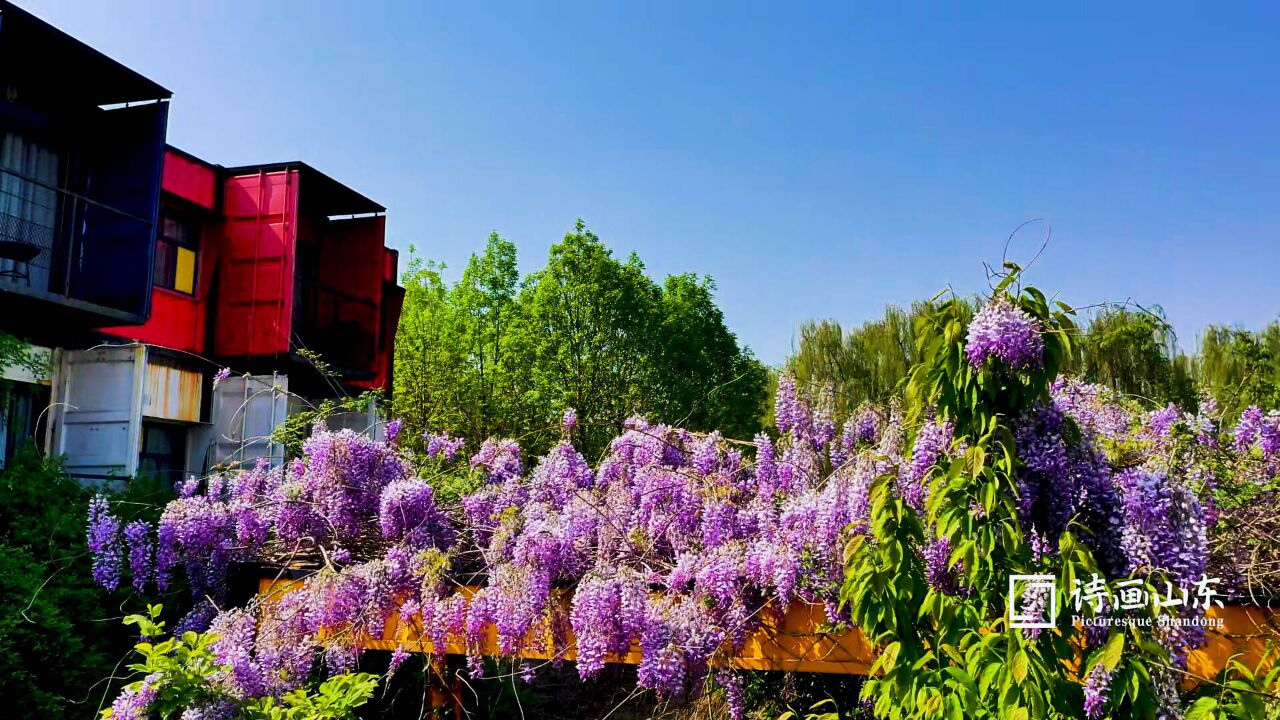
1202	709
888	658
1112	652
1019	667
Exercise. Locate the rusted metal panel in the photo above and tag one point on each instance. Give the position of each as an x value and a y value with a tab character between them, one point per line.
172	393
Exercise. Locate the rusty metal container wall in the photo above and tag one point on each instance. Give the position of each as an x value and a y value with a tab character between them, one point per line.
171	393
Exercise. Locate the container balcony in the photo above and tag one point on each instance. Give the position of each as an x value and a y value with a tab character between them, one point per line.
338	326
68	262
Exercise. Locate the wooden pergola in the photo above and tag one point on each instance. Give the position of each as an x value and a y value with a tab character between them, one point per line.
799	641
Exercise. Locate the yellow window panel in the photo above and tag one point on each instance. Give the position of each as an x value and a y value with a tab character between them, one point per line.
184	277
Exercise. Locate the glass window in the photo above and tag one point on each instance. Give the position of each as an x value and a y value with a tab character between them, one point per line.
164	451
177	243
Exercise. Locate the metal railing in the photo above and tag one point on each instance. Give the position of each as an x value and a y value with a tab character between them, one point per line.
27	224
56	241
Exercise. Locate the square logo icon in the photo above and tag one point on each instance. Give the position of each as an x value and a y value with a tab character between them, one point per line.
1033	601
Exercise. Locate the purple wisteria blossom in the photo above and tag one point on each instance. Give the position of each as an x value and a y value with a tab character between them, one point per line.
393	430
134	703
1096	686
936	555
1006	333
681	544
500	459
104	543
137	536
932	442
442	446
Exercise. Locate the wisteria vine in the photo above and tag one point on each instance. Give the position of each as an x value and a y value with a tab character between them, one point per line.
675	544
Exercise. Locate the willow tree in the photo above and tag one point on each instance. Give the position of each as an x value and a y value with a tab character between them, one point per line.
865	365
1240	368
1134	352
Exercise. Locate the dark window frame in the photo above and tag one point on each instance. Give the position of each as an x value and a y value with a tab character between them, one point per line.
173	463
165	274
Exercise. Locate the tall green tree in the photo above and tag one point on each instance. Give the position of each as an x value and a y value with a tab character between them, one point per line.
708	380
865	365
588	334
428	356
484	310
496	356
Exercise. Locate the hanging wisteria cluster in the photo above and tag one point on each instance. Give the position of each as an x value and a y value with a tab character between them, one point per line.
675	543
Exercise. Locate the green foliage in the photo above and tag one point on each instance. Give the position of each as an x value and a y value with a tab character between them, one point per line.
54	646
335	698
821	710
1132	351
15	353
803	696
496	356
452	349
296	428
709	382
866	365
587	336
1241	693
1135	353
182	672
1240	368
954	655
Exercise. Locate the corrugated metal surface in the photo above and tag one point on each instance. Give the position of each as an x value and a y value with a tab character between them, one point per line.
368	422
172	393
245	411
255	296
100	418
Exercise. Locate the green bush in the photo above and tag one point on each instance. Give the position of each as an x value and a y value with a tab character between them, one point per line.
59	633
181	673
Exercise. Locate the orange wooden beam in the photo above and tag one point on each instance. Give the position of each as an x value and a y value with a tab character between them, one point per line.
796	642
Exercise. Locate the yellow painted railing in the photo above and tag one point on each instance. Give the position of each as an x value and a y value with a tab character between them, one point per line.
795	642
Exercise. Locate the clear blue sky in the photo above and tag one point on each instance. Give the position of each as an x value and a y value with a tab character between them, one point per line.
819	161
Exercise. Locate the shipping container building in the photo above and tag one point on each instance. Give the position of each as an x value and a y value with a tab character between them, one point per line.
81	148
142	270
277	272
